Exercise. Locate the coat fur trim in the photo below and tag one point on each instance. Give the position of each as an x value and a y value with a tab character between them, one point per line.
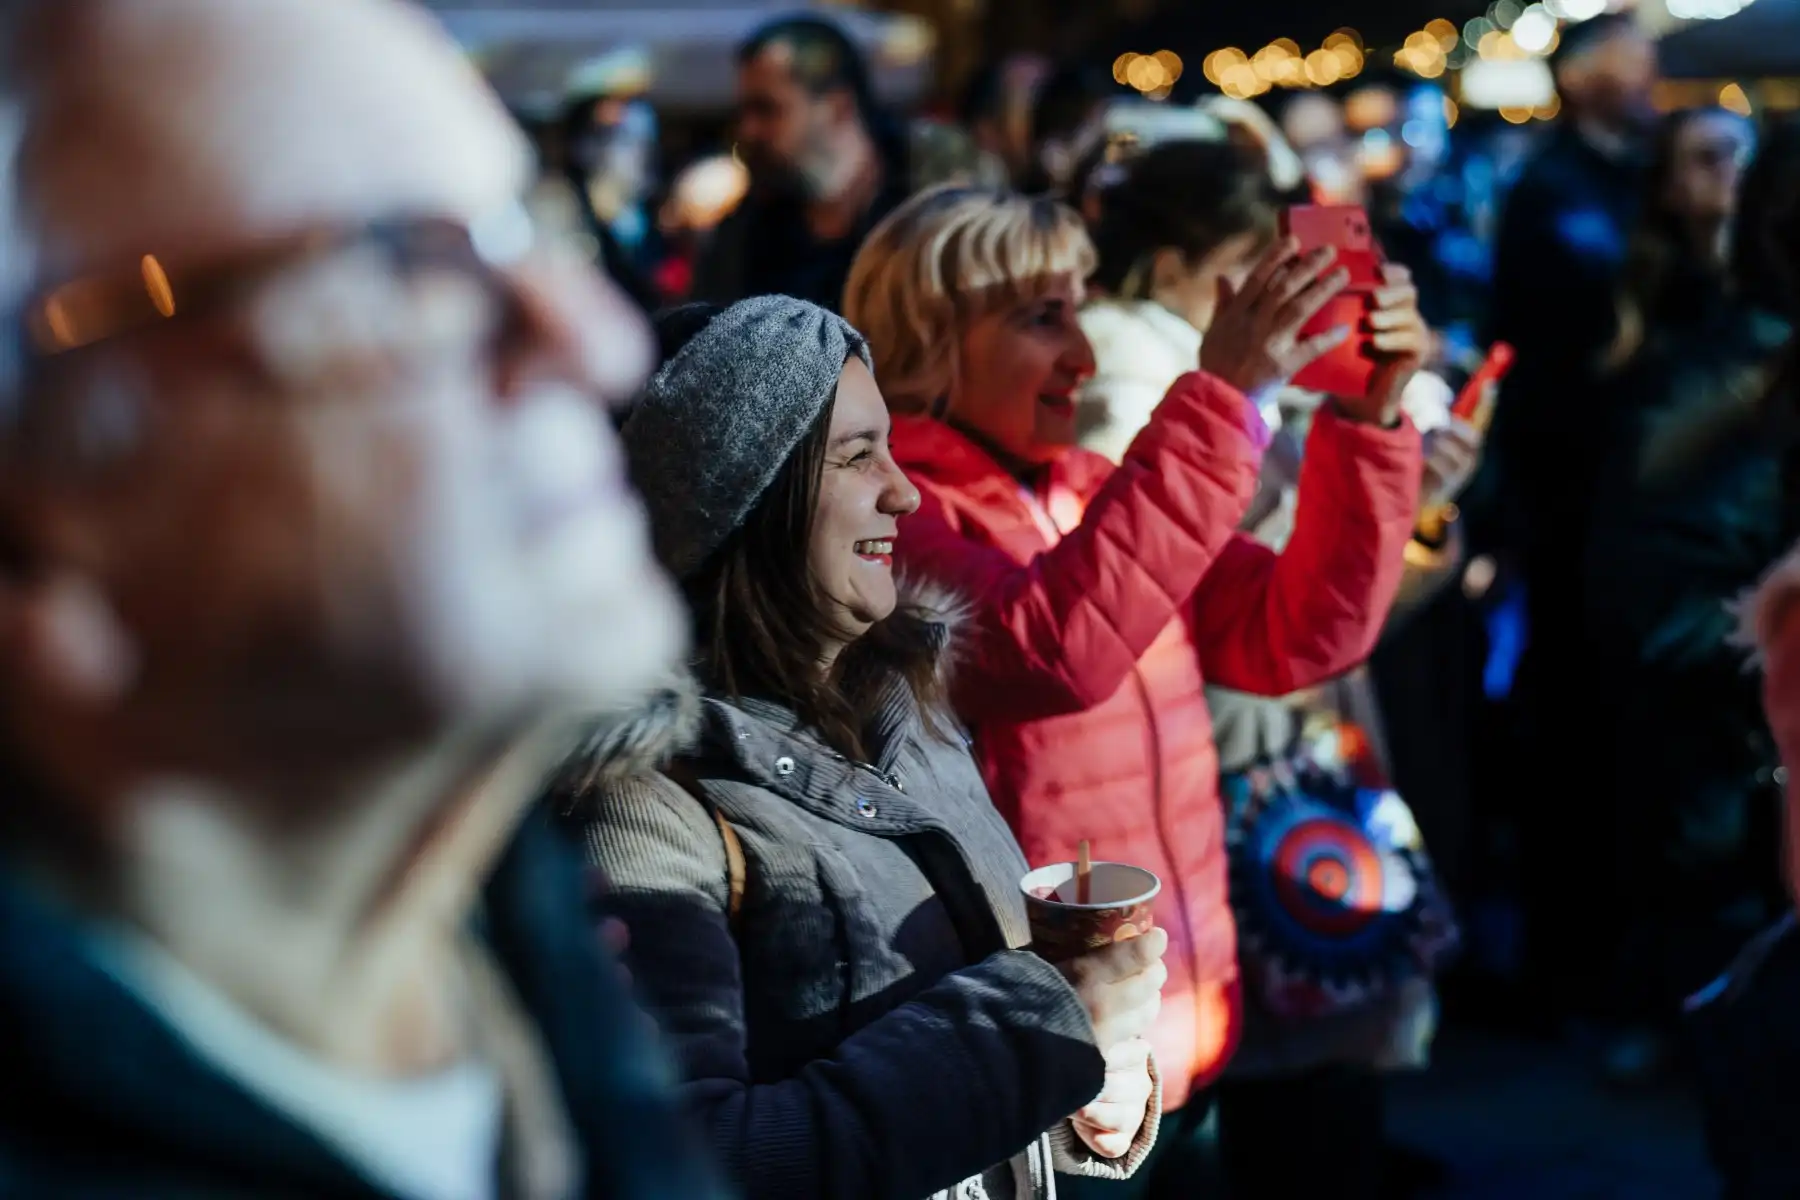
945	608
638	741
667	721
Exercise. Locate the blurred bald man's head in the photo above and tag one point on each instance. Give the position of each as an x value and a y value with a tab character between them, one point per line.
305	456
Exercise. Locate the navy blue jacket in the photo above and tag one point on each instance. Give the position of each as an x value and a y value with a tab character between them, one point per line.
100	1099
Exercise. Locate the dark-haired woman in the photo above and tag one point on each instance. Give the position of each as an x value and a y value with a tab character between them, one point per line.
1677	269
1186	217
1686	516
823	903
1748	1042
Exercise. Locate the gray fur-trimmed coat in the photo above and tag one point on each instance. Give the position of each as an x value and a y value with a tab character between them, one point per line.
867	1026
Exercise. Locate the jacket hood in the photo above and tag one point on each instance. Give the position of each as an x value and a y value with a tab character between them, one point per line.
668	720
636	741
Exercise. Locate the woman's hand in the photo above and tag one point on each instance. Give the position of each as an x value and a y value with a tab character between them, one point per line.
1111	1123
1121	987
1254	341
1452	453
1401	338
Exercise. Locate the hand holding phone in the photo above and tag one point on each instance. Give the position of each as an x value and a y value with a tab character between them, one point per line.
1347	371
1256	338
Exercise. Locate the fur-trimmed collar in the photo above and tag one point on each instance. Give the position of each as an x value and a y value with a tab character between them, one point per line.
944	607
667	721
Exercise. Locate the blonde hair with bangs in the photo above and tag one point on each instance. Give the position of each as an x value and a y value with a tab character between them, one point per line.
945	258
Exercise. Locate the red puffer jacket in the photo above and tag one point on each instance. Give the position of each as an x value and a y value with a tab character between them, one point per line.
1105	601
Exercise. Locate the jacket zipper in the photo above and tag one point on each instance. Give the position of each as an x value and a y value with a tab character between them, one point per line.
1168	842
1047	523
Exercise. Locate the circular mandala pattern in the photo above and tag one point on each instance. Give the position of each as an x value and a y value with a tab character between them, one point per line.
1329	914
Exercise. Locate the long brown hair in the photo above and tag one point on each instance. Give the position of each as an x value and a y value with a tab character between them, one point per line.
763	623
1662	265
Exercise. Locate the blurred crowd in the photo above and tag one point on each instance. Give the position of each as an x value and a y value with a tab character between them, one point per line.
540	656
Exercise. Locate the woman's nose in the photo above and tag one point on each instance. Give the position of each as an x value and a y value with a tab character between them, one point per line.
1078	359
900	498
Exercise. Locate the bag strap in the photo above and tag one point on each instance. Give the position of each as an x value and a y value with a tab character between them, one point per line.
737	869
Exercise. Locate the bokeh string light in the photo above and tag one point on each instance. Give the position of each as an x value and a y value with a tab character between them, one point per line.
1508	32
1151	75
1281	64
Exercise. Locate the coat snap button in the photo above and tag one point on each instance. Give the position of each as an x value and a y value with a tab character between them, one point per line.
1781	775
784	766
865	806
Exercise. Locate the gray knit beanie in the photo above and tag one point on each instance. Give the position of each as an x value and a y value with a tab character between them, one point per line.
718	421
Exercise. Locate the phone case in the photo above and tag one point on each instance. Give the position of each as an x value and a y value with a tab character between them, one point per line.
1348	370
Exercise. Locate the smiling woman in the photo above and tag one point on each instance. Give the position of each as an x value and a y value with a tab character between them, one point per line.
824	905
1104	598
787	561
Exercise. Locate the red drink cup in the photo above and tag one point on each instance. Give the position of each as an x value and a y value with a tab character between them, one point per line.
1118	908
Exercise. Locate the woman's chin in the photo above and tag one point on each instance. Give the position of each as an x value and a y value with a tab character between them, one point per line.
1054	436
855	620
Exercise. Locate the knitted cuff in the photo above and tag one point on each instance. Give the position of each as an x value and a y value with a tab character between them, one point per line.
1072	1156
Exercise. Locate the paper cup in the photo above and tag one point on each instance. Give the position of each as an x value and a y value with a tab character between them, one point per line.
1118	908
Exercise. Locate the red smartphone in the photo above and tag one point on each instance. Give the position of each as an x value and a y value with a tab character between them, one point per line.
1347	371
1493	369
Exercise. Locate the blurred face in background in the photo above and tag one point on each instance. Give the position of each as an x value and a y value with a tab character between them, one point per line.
375	498
1613	81
1313	119
1018	369
617	152
1190	287
1707	163
786	135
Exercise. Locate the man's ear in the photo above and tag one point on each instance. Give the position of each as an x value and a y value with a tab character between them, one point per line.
61	640
72	639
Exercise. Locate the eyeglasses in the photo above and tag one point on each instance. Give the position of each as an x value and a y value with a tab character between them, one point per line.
99	307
